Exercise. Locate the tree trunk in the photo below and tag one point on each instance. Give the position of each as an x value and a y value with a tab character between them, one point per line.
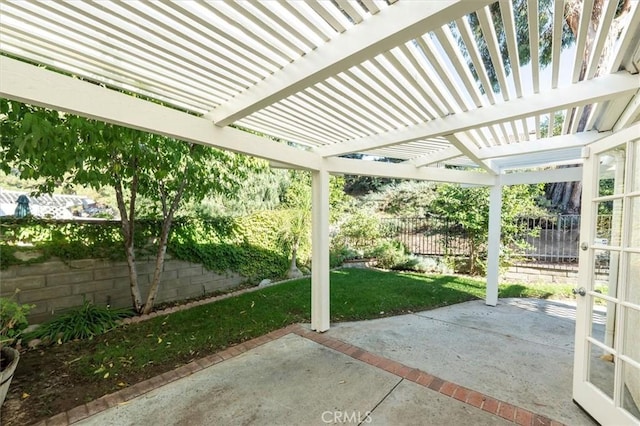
127	227
575	199
167	220
157	272
294	272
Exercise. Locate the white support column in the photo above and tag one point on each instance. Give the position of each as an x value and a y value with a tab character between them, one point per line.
493	256
320	251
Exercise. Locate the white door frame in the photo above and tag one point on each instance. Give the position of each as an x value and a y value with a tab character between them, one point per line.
587	395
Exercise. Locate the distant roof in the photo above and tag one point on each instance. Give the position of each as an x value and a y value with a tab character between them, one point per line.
54	200
55	206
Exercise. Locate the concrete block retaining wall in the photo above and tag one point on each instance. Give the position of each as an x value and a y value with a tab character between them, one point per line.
546	274
54	286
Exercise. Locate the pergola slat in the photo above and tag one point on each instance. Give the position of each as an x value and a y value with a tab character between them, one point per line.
581	43
489	32
534	43
556	43
506	10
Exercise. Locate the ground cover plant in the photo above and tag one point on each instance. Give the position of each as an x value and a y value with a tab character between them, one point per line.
55	378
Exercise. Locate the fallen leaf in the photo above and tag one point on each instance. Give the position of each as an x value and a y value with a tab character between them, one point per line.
25	395
122	384
105	375
159	340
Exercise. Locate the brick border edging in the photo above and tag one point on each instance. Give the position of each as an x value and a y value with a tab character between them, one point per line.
476	399
510	412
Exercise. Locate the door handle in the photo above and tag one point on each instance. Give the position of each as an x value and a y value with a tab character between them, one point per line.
581	291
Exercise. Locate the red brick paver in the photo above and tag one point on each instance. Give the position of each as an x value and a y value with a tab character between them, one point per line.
507	411
448	388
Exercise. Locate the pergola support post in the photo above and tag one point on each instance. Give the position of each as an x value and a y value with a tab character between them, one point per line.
320	251
493	256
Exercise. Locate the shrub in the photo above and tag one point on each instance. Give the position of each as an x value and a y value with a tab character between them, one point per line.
83	322
424	264
13	319
388	253
359	230
338	255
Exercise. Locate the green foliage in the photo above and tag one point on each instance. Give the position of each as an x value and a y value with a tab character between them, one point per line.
389	254
13	319
407	199
556	128
359	230
468	207
249	245
64	149
261	190
84	322
42	239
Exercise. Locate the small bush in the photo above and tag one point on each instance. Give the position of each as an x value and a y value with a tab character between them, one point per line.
13	319
422	264
338	255
81	323
388	254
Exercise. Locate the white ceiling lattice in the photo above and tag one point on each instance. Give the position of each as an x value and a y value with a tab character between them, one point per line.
425	82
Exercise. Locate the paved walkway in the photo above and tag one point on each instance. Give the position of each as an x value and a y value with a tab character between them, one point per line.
447	366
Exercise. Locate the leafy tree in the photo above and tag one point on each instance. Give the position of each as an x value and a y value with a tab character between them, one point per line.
355	185
64	149
297	229
469	208
296	212
262	190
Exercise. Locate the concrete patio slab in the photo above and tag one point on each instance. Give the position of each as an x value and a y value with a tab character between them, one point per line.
291	381
520	351
463	364
410	405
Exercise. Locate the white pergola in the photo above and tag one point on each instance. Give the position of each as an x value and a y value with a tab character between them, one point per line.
381	78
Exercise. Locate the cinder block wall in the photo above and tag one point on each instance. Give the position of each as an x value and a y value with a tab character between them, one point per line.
54	286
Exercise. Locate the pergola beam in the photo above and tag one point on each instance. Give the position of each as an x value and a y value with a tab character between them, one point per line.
585	92
568	174
38	86
630	113
553	143
380	33
406	171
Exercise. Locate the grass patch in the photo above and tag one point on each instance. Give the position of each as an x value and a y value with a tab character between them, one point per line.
355	295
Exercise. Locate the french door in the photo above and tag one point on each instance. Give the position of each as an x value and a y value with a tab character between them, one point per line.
606	380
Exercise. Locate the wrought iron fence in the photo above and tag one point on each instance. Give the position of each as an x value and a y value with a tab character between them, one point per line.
552	239
429	236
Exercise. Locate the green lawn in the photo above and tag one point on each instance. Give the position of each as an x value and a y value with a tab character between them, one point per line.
355	295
